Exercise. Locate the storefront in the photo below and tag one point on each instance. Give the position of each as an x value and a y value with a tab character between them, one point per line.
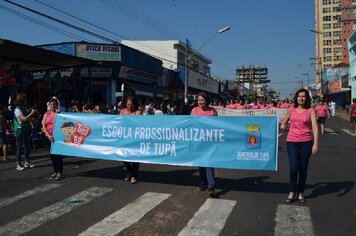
121	71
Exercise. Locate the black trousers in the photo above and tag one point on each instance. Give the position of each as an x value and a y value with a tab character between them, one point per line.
57	160
132	168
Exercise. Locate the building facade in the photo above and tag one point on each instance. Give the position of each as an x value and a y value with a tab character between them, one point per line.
334	23
174	54
121	71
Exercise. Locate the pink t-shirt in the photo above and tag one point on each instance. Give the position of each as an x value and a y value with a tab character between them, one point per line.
321	110
300	129
125	112
199	112
353	109
49	122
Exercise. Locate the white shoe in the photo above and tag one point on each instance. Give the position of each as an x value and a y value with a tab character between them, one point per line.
29	165
19	167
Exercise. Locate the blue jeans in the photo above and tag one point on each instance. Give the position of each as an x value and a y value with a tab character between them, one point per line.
207	175
298	154
23	139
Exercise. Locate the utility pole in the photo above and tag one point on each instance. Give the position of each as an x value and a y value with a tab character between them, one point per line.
186	72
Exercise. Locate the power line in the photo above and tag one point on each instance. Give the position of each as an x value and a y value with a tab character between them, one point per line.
36	21
63	22
77	18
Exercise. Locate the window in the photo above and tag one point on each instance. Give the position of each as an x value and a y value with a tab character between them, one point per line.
337	58
336	1
326	42
337	42
181	58
327	34
206	70
336	33
336	9
337	18
327	58
337	25
326	26
327	50
326	9
337	50
194	65
327	2
326	18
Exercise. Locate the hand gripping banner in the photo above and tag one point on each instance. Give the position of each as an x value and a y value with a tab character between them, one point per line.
235	142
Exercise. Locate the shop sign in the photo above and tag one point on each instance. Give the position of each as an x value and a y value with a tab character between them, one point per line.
96	72
137	75
99	52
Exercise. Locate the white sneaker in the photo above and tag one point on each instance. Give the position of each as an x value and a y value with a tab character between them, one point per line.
29	165
19	167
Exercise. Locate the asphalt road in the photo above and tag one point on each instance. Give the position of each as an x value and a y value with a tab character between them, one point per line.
94	198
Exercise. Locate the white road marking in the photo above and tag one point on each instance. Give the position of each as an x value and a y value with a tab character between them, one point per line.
293	220
209	219
330	131
40	189
38	218
126	216
348	132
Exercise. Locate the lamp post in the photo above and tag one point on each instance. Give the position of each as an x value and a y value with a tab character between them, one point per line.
308	79
301	82
187	58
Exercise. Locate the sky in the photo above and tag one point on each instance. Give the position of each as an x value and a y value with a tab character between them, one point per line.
271	33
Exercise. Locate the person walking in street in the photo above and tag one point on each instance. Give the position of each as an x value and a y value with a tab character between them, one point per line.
353	116
22	131
207	178
302	141
322	111
131	108
3	126
332	107
48	127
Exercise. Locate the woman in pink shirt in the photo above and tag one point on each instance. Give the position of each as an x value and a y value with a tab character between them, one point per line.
322	111
353	115
302	141
131	108
206	174
47	127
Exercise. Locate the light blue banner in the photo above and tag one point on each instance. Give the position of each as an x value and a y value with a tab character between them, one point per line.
222	142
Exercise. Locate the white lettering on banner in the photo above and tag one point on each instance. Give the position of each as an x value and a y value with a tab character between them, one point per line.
180	134
116	132
253	156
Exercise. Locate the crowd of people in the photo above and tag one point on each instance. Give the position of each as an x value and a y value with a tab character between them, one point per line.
24	117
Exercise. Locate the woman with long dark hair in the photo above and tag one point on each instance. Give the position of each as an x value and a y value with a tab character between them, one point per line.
302	142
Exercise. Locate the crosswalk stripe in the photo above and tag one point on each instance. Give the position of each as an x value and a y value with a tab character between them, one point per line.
40	189
348	132
210	218
330	131
126	216
36	219
293	220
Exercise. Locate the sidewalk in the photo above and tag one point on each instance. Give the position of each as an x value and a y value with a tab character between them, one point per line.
342	114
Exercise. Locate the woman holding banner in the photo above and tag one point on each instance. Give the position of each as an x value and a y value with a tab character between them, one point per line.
48	127
206	175
302	141
131	108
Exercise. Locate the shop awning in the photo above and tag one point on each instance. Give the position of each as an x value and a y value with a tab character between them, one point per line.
145	89
37	59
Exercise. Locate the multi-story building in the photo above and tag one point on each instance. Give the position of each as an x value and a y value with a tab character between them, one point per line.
254	78
334	23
